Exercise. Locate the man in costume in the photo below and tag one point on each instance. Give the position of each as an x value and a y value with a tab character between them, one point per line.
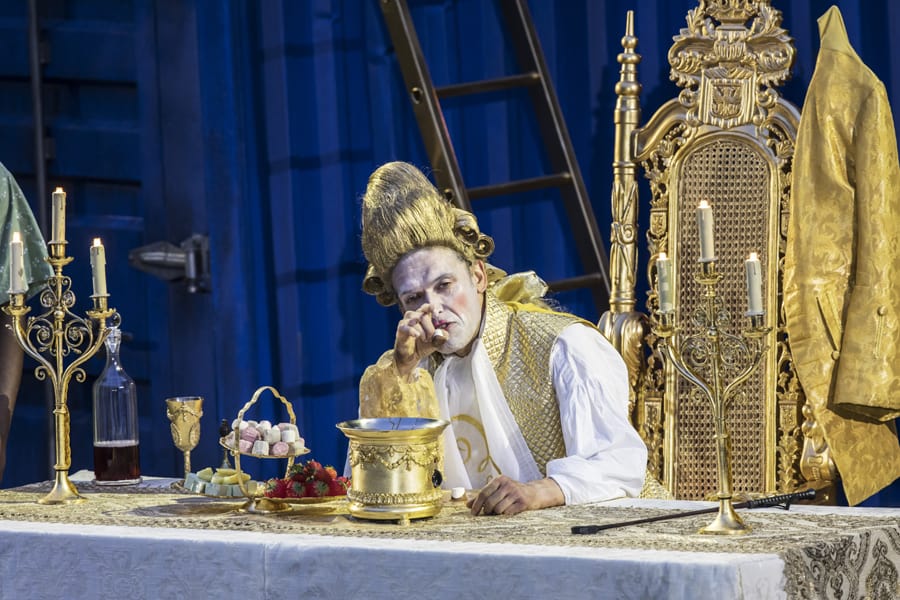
537	399
15	216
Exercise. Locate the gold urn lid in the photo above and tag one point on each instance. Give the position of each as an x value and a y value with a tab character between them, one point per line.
408	429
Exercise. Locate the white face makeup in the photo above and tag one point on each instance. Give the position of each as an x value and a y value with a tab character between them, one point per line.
438	277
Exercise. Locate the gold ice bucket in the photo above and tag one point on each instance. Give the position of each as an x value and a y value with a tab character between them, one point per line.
395	467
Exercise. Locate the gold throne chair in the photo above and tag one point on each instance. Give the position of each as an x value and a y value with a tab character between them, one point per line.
728	138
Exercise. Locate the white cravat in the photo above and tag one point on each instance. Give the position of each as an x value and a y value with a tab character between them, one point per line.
484	439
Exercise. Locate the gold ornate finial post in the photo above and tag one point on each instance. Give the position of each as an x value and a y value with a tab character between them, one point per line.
56	334
624	327
623	254
711	351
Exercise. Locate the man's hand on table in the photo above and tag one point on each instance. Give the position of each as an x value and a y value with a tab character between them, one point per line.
505	496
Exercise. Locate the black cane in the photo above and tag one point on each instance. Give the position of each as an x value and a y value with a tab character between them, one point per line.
782	500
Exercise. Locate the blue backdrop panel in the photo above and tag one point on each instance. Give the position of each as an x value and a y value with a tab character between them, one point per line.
257	124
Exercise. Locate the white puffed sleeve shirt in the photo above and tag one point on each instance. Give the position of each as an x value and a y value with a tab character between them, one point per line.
605	456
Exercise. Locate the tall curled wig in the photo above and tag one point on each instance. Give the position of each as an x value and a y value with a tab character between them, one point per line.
402	211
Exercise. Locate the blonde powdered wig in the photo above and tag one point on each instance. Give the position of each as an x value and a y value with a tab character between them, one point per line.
402	211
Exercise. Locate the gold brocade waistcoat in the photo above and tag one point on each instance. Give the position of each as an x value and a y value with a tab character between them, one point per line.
518	339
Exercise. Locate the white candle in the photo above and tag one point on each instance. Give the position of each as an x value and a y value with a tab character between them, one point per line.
58	229
705	225
16	265
754	284
664	282
98	267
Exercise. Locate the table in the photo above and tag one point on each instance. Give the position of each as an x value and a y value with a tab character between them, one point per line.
157	543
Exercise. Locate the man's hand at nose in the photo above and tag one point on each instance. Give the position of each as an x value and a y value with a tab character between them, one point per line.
415	339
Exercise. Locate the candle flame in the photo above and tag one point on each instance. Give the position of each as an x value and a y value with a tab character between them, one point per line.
704	204
16	237
753	256
97	243
58	190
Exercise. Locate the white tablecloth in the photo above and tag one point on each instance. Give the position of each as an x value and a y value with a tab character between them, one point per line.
241	559
39	560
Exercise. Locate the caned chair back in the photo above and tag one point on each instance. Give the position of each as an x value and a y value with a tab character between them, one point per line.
727	138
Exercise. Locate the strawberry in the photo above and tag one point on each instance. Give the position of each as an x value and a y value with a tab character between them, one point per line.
337	488
309	480
294	489
321	489
277	488
309	489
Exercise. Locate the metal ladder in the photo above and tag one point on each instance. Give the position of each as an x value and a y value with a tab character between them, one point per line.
558	146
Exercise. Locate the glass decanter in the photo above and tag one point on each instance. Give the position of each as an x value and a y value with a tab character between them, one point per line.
116	442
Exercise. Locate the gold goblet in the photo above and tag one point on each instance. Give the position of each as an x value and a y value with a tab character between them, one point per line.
184	412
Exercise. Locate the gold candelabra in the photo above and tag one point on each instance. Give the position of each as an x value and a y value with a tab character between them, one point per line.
710	351
58	333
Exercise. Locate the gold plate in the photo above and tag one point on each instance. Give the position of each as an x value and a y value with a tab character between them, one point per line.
179	485
231	449
311	499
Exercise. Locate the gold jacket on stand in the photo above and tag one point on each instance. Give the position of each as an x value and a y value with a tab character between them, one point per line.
842	264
